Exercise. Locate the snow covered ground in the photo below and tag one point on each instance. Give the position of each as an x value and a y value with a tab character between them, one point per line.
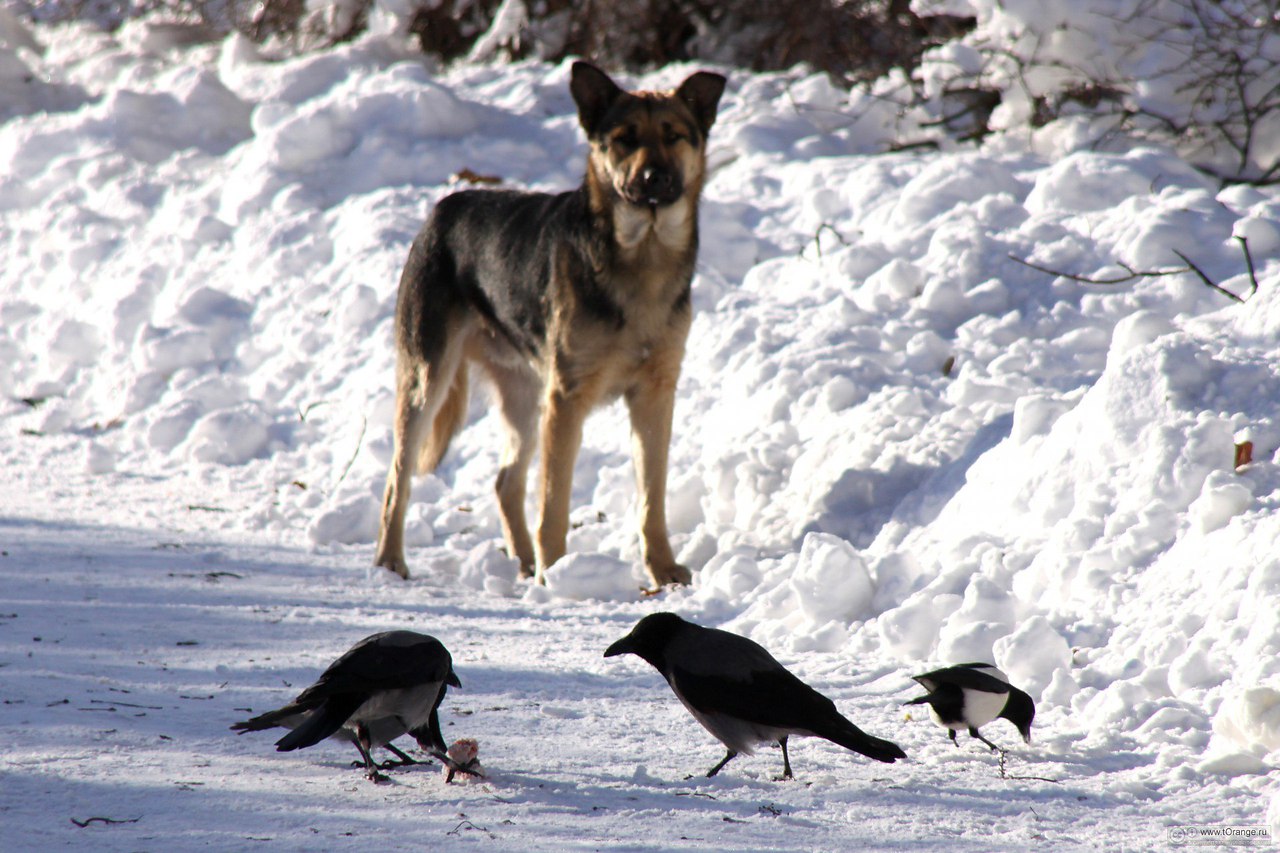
896	448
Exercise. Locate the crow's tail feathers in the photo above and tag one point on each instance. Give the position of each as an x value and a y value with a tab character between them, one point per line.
320	724
851	737
269	720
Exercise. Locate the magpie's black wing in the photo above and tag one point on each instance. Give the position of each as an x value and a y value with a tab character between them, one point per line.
963	675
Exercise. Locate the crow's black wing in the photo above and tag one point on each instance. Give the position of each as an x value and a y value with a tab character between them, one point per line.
387	661
321	723
429	736
718	672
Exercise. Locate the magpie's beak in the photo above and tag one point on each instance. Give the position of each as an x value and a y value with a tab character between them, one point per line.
453	679
621	647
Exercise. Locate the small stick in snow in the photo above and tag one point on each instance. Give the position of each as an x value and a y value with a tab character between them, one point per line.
106	820
1004	754
469	825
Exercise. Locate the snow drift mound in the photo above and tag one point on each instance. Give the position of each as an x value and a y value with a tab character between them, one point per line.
893	439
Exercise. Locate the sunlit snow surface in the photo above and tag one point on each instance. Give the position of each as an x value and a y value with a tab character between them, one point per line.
895	448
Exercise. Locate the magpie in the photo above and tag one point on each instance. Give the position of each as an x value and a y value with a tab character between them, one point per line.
386	685
970	695
739	692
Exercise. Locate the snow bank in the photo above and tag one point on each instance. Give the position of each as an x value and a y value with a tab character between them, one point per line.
894	441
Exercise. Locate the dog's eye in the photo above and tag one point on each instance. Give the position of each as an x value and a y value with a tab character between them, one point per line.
672	137
627	139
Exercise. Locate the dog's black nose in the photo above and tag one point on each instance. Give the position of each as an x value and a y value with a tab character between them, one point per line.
659	186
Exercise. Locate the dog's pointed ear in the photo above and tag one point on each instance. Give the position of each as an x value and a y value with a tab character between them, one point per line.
594	93
701	92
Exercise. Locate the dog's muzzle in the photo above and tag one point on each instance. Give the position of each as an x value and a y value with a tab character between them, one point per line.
654	187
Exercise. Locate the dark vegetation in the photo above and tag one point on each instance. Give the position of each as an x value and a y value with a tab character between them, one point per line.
1213	64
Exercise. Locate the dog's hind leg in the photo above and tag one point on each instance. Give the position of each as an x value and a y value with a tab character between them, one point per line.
448	421
519	391
422	388
411	421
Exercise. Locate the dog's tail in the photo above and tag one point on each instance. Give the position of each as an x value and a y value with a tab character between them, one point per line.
449	420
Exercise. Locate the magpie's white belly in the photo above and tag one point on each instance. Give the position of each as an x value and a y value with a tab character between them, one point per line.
980	708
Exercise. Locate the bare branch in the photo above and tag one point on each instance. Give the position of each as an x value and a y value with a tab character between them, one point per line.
1132	273
1248	259
1208	281
1137	274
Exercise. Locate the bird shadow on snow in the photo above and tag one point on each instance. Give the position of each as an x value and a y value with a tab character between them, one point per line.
46	809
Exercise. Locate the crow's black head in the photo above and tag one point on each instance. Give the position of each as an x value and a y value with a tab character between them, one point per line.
649	638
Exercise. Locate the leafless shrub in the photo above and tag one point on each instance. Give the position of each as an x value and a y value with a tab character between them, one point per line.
1201	75
853	40
1221	73
110	14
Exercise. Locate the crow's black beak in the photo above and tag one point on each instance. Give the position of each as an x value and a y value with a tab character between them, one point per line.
621	647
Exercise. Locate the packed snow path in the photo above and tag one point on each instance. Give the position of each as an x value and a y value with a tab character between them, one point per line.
896	447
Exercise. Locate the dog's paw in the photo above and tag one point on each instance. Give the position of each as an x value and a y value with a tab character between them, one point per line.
394	564
670	574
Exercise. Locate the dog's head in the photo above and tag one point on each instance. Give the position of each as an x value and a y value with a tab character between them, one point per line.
648	147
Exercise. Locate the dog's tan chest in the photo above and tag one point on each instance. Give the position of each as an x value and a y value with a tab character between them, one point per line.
643	230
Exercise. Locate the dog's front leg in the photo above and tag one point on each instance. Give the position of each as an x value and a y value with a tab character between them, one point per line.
562	417
651	404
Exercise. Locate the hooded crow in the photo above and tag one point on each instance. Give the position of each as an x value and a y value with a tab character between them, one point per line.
970	695
387	685
739	692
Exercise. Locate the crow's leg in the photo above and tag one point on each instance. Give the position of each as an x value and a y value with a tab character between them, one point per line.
729	756
404	759
363	743
786	761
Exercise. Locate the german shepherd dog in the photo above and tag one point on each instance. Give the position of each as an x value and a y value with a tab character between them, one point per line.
565	302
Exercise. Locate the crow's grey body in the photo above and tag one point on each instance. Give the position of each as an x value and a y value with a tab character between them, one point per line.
739	692
387	685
